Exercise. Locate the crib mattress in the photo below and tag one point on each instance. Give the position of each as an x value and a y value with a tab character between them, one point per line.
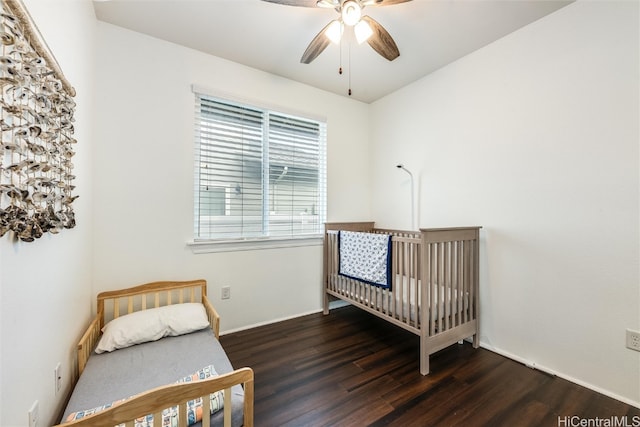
123	373
382	300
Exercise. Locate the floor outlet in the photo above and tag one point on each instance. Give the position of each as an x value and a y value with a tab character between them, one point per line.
226	292
633	340
33	415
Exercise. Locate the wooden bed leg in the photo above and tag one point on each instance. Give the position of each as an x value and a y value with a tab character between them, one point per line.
476	340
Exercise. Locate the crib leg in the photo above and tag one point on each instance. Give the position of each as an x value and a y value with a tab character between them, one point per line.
325	304
424	357
476	340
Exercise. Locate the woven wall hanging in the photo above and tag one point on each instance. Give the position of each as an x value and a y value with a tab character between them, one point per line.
36	121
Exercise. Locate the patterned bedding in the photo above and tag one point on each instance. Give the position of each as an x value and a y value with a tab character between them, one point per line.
109	377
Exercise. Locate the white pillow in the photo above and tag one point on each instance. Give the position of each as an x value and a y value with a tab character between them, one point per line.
151	325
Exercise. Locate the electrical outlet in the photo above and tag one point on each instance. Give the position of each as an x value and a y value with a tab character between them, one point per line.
57	377
33	415
633	340
226	292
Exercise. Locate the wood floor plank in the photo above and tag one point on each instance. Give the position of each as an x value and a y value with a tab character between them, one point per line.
350	368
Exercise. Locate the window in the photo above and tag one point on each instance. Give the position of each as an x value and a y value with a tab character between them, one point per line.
258	174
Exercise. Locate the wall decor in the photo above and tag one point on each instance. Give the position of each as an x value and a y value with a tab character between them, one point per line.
36	122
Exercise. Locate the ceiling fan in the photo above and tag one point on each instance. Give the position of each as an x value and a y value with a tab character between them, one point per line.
365	28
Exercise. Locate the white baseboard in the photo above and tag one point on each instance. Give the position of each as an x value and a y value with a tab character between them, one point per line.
338	304
269	322
548	371
332	305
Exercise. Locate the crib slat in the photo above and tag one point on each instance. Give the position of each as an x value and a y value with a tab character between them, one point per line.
416	289
433	302
441	286
472	278
406	285
458	291
157	419
400	300
450	286
446	285
463	291
391	300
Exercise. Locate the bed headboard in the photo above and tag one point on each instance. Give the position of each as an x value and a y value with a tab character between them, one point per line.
113	304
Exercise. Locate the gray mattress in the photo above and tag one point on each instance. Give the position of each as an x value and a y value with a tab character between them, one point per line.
123	373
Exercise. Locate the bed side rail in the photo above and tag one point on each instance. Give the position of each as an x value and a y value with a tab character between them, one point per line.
212	315
158	399
88	342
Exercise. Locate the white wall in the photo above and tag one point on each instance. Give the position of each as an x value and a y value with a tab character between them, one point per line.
144	176
45	286
535	137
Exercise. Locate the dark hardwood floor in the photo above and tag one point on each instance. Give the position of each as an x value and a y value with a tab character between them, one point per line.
352	369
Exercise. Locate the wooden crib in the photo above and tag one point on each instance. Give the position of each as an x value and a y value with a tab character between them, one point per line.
434	289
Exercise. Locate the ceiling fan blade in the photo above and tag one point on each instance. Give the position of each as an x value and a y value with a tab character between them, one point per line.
381	2
317	45
381	41
301	3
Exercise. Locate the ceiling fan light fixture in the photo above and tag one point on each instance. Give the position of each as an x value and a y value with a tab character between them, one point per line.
362	31
334	31
351	12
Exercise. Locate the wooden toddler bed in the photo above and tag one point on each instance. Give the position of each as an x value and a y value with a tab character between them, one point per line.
433	283
169	379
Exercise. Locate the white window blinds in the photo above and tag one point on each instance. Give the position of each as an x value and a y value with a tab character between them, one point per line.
258	173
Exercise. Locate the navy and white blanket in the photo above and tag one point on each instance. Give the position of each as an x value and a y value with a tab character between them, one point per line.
365	257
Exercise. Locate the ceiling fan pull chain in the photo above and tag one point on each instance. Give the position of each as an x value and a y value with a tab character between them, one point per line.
349	68
340	69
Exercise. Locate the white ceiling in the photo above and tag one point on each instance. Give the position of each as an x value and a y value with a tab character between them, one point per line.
272	37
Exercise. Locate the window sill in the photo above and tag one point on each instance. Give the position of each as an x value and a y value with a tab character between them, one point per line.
212	246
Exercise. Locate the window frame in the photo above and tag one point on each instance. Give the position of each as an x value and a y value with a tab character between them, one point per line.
226	244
